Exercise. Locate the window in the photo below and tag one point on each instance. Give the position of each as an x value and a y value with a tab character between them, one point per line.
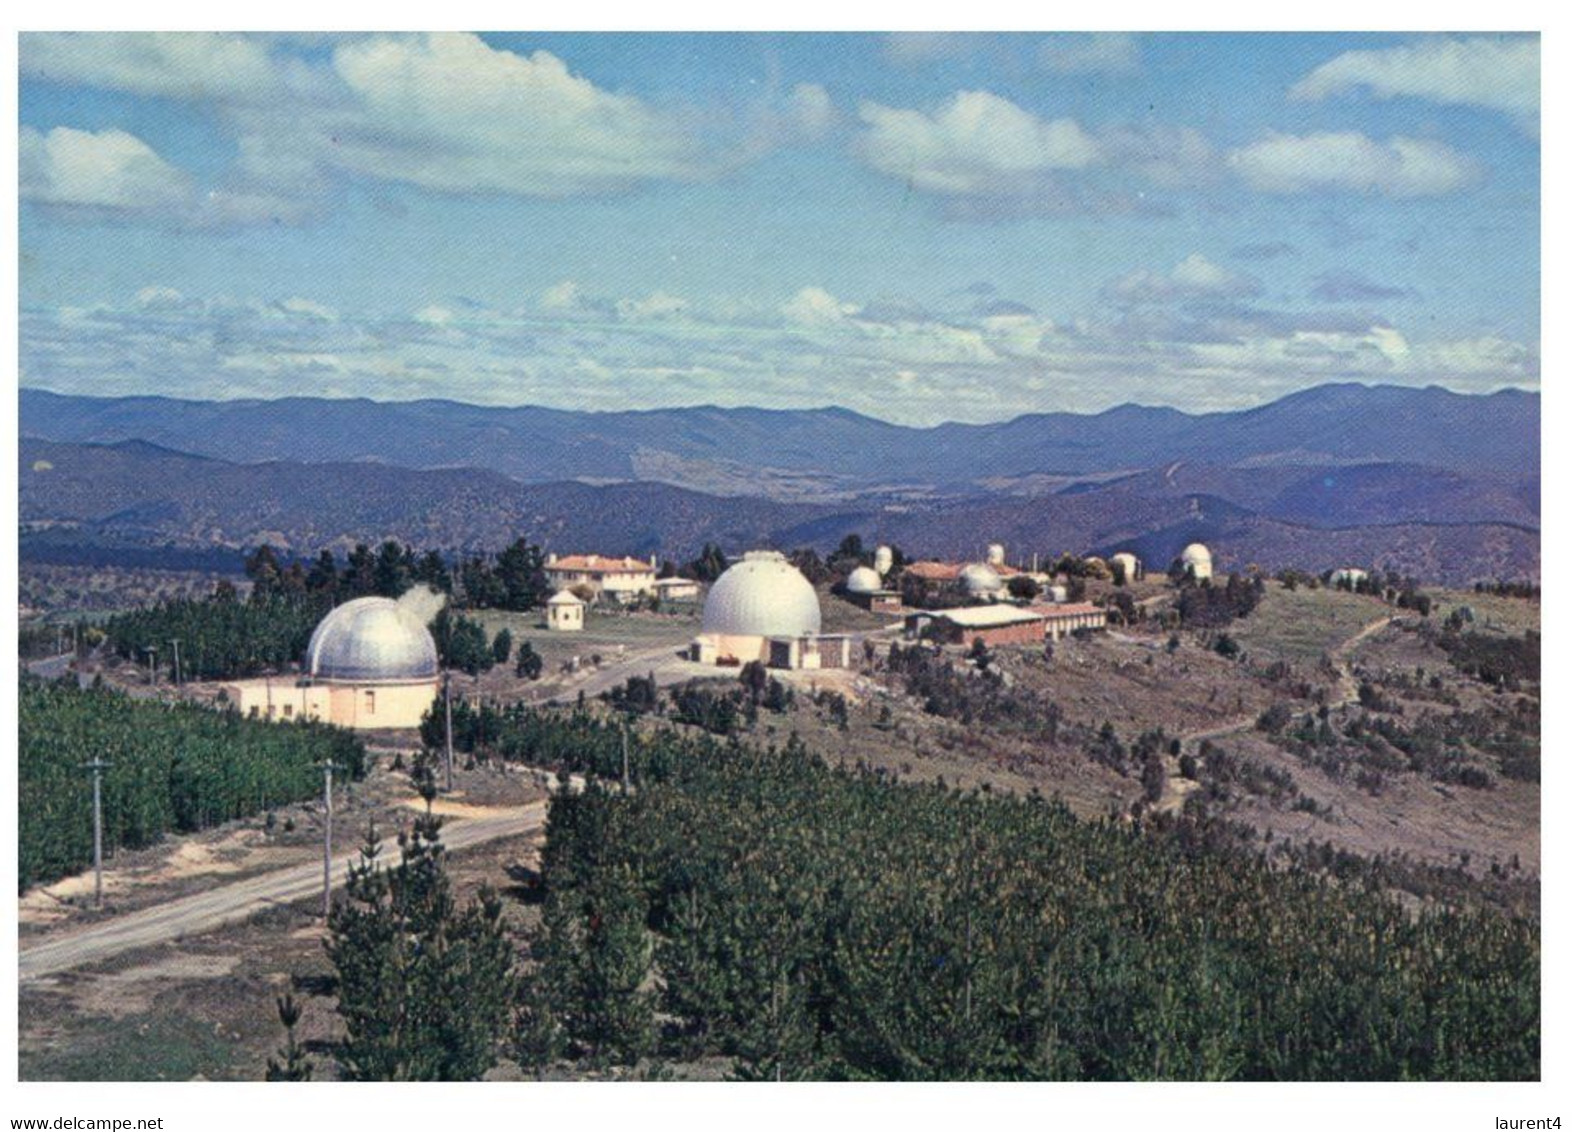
289	711
371	702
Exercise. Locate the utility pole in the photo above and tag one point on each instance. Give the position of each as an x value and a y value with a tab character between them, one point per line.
328	767
174	643
447	711
625	782
152	663
98	766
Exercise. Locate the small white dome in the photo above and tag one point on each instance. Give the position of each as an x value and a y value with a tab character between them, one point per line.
565	597
1198	559
981	580
883	560
764	595
863	580
1128	563
371	640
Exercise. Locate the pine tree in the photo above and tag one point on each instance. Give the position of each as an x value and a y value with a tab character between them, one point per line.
294	1066
502	646
529	663
425	990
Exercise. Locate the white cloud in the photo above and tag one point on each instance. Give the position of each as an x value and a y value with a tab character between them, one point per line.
308	308
110	170
814	306
158	297
922	368
448	112
434	315
975	144
1352	162
1494	72
185	65
1194	277
1095	53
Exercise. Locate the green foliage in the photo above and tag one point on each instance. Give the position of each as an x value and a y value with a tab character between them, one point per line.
461	643
528	663
1509	662
593	954
220	637
179	766
425	989
1207	606
292	1064
709	565
831	923
502	646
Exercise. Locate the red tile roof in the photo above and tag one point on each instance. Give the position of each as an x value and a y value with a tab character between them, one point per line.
598	564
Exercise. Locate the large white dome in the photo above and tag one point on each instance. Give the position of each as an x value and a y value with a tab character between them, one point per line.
762	596
371	640
864	580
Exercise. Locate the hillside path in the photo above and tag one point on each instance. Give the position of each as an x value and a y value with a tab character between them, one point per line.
1348	692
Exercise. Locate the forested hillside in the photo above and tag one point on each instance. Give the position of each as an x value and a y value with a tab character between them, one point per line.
173	768
804	921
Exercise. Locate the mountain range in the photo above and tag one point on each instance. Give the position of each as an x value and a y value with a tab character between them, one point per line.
1441	485
1432	483
818	453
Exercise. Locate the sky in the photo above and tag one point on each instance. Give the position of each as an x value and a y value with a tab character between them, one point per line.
918	227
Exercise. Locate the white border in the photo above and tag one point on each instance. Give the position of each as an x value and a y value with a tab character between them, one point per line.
237	1108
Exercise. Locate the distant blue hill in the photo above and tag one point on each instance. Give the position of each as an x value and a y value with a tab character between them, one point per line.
821	453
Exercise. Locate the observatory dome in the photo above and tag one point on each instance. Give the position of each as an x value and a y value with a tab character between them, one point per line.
980	580
764	595
1197	559
864	580
371	640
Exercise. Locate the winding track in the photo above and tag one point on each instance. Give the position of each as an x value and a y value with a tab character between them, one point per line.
232	903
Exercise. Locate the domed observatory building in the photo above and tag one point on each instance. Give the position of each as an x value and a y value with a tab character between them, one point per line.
865	587
982	582
762	608
370	664
1196	561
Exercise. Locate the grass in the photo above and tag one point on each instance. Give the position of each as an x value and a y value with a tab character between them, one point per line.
1301	625
154	1047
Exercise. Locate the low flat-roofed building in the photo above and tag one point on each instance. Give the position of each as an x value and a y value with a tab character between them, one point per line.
619	578
1002	624
997	624
677	589
1062	620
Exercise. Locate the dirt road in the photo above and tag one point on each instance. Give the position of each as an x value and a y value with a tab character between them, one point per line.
231	903
1347	693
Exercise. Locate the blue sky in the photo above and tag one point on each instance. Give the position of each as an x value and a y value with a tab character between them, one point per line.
917	227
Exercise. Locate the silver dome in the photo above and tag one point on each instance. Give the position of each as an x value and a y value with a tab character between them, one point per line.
762	596
864	580
371	640
978	579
